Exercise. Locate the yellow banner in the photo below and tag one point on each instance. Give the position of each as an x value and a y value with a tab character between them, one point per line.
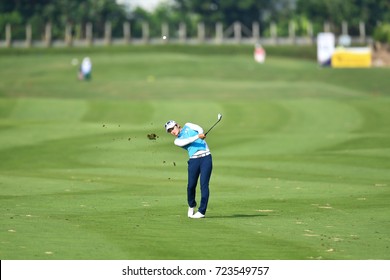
352	58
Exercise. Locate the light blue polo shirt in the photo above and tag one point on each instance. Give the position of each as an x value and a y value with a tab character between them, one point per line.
193	147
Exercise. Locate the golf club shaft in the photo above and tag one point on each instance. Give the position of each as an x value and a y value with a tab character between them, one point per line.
212	127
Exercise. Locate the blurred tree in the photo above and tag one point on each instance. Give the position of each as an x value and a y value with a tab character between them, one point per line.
17	13
163	14
61	12
79	12
229	11
15	19
382	33
353	11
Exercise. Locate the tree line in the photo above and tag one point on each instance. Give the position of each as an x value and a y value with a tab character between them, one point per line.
78	13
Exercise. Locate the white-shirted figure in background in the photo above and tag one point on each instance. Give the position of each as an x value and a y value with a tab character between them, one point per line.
86	69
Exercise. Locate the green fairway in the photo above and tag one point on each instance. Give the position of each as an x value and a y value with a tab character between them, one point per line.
301	157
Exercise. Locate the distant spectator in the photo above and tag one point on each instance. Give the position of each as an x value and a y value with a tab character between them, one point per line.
85	69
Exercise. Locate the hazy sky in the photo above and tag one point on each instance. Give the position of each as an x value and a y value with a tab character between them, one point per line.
146	4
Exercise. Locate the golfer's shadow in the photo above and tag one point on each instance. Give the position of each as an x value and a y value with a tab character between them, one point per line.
238	216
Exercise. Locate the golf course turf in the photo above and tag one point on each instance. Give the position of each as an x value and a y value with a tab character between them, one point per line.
301	157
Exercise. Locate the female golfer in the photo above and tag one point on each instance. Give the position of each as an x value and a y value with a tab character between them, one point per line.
200	163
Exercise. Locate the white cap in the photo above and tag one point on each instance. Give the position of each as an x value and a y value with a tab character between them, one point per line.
169	125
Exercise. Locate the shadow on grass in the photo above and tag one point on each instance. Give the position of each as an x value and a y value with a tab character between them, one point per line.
238	216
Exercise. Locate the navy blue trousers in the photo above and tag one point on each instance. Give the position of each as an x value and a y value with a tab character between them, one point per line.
199	167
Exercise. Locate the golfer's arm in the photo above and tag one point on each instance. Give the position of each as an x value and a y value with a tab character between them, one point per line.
182	142
195	127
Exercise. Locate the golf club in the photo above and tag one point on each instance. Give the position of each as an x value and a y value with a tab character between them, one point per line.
219	118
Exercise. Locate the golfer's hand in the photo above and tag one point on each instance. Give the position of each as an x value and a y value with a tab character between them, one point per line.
202	136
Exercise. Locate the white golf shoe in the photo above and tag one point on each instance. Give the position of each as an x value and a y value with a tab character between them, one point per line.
197	215
190	212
